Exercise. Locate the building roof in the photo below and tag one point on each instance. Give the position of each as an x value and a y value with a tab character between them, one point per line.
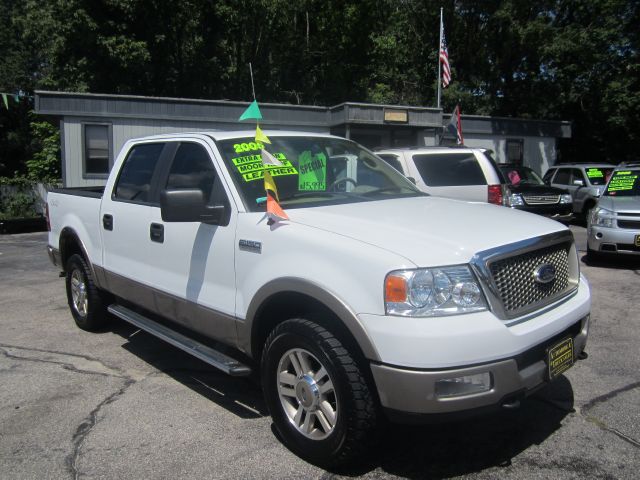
226	112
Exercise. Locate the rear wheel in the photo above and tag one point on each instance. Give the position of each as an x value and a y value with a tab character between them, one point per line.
316	393
86	302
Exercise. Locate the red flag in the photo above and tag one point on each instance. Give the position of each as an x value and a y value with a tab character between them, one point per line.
455	126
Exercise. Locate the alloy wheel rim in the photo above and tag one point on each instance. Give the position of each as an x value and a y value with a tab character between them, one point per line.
79	293
307	394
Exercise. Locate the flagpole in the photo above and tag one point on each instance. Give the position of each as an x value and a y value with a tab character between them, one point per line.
438	56
253	89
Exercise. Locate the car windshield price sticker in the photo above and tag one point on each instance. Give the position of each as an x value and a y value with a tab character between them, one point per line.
595	173
622	181
313	171
251	166
560	357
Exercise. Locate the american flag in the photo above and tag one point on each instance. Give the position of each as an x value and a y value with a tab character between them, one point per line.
444	60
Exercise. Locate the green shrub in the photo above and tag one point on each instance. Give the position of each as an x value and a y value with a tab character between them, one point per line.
17	198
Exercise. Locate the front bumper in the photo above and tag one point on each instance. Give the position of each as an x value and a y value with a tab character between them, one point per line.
408	391
614	240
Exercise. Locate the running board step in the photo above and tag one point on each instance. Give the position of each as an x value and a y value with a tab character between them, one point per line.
207	354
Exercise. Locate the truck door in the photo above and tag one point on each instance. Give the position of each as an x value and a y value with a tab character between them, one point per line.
125	219
192	265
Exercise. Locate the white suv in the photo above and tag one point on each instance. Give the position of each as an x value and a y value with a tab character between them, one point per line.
454	172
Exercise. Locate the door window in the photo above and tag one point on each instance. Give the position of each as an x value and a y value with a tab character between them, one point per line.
192	168
134	182
563	177
576	174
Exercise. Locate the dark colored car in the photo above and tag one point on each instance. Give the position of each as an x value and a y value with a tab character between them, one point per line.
526	191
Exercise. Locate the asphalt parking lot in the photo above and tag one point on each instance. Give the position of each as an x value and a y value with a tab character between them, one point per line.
121	404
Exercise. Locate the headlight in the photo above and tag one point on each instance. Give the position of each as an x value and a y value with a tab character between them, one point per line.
431	292
515	200
602	217
565	198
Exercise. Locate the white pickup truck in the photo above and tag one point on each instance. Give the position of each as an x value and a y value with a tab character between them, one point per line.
372	300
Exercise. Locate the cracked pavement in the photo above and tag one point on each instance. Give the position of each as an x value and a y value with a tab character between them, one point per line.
121	403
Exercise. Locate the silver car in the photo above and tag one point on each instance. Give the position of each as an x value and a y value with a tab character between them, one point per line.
584	181
613	225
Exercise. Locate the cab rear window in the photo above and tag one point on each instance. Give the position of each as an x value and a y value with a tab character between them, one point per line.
449	169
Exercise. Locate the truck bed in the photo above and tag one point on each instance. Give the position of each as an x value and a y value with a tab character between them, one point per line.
92	192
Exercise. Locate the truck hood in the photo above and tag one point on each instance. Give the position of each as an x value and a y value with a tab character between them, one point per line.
427	230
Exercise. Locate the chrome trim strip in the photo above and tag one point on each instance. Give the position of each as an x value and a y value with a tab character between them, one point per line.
481	261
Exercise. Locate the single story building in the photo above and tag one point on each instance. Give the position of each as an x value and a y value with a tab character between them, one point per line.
93	127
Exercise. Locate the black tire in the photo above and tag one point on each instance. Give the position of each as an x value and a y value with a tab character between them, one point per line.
87	303
355	418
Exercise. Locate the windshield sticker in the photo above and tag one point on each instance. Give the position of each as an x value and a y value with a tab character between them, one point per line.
595	173
247	147
313	171
274	172
251	166
622	181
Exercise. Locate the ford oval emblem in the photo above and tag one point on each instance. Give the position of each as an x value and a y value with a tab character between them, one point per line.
545	273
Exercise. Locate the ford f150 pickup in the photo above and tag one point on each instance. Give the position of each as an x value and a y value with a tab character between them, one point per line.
372	300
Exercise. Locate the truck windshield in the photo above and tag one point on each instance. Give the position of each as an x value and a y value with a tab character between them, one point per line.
624	183
309	171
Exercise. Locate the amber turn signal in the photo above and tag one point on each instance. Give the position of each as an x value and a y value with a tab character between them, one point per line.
395	289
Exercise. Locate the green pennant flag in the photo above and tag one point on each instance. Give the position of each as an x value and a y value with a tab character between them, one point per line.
16	98
6	102
252	111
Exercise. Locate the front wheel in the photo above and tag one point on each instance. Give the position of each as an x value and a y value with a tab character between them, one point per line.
86	302
316	393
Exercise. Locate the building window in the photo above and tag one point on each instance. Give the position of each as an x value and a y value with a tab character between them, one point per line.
97	143
515	151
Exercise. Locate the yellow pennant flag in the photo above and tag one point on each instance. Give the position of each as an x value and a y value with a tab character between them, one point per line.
261	137
269	184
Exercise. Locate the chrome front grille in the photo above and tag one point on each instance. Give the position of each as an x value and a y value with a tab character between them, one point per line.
515	280
541	199
515	276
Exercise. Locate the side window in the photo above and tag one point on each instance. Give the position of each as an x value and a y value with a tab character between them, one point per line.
449	169
563	177
96	151
393	161
548	175
134	181
577	175
192	168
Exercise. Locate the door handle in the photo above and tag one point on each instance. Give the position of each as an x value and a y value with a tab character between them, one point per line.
107	221
156	232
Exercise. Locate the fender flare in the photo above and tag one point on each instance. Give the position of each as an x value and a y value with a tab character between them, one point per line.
305	287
